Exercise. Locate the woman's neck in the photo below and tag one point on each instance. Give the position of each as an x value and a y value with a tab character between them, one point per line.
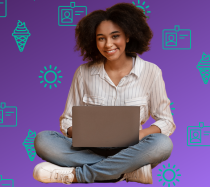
119	65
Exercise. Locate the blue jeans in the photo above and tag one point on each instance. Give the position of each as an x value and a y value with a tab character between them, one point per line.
90	167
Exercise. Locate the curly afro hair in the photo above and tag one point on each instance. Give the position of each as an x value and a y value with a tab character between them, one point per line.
131	19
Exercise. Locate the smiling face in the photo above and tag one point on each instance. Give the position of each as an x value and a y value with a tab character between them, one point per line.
110	37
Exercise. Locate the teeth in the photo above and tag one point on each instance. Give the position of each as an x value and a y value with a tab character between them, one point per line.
111	51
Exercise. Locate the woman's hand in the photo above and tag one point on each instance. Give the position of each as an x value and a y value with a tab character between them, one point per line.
69	132
150	130
141	134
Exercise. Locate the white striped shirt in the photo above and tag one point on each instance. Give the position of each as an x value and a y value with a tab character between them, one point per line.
143	86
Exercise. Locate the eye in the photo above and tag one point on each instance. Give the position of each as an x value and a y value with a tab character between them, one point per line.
115	36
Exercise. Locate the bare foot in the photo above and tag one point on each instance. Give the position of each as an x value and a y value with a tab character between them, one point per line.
75	179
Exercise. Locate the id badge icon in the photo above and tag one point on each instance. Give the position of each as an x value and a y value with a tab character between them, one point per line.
176	39
70	15
198	135
6	182
3	8
8	115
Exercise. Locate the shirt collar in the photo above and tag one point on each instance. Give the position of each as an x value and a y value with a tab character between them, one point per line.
136	70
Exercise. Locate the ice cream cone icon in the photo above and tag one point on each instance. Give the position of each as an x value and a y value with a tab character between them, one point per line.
29	145
204	67
21	34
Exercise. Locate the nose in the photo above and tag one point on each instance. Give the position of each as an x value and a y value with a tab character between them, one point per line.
108	43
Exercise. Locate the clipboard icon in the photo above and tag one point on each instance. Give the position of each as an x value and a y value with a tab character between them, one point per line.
8	115
176	39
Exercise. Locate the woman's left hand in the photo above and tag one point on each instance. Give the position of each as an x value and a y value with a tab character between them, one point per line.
150	130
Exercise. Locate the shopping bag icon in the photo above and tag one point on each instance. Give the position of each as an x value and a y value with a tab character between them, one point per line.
176	39
3	8
8	115
70	15
6	182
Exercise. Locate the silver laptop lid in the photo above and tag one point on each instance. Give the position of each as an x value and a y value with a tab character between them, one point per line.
105	126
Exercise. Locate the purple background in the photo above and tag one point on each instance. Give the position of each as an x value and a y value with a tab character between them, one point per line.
39	108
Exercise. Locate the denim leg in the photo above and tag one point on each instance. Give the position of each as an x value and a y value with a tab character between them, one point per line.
152	149
56	148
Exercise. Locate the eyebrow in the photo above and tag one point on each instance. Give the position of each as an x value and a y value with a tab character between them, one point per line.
109	34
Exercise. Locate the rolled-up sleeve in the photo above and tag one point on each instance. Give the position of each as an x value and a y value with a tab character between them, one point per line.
74	99
160	106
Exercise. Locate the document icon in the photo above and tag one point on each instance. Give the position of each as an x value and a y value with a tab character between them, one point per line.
3	8
198	135
70	15
176	39
8	115
6	182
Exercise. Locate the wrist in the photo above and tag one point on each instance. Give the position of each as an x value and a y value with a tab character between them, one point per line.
141	134
67	131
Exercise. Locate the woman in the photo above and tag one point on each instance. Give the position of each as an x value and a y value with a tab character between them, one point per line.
115	75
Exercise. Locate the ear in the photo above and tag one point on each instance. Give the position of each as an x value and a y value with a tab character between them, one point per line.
127	40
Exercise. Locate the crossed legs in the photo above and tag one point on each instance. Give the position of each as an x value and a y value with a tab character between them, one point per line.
54	147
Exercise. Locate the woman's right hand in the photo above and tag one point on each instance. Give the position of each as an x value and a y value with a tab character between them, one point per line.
69	132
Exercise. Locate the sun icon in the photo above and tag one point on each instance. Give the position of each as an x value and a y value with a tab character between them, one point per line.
142	7
172	108
168	171
51	73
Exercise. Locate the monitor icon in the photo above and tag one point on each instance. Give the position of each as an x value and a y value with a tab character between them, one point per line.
198	135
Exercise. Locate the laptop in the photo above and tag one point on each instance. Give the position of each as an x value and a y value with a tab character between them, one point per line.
105	126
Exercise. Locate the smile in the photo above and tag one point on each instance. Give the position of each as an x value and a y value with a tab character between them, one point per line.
111	52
